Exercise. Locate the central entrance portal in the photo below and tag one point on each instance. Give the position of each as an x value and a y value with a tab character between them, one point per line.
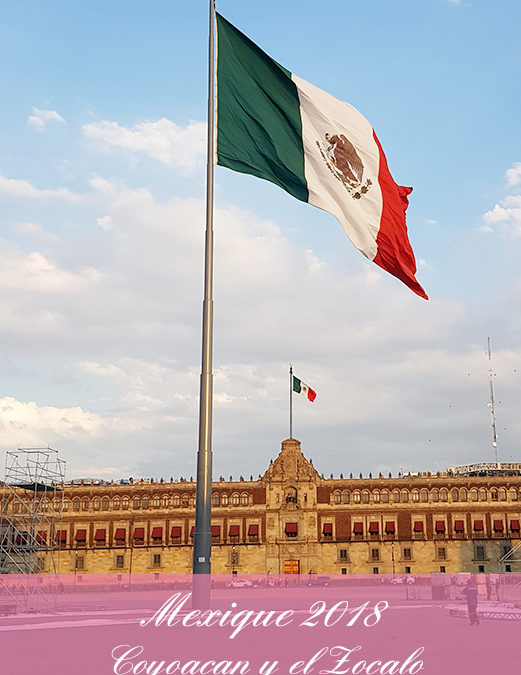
292	567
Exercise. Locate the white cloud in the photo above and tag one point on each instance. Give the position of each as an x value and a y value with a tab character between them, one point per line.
24	189
514	174
162	140
39	118
105	222
29	425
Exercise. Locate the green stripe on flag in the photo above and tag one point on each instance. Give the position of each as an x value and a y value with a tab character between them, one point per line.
259	127
297	385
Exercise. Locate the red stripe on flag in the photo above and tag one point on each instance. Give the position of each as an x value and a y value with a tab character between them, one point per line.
311	394
395	253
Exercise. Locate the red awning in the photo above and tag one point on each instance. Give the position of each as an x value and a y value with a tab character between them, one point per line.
139	533
514	525
121	534
498	526
374	528
234	531
101	535
478	525
418	526
328	528
157	533
291	528
41	537
389	528
459	526
216	531
61	536
358	528
440	526
81	535
253	530
192	531
176	532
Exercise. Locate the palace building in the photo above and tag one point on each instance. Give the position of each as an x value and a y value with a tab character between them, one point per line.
290	520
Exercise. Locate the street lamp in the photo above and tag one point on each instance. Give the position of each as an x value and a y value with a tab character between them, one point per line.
392	551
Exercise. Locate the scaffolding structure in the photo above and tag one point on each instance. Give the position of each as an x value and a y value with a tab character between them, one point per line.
30	514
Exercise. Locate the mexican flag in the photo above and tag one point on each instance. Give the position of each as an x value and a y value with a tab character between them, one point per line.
274	125
300	388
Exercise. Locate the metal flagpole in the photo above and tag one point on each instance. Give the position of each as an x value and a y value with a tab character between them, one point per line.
203	504
290	401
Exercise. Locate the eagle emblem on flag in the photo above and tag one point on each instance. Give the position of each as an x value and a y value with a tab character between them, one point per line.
344	162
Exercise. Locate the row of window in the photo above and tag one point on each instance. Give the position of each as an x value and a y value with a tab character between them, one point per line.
145	502
424	495
121	536
440	528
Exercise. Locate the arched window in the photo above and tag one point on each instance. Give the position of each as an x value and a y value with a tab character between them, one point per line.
385	497
145	502
356	497
236	499
136	503
177	500
105	502
455	495
65	505
513	494
415	496
365	497
474	495
345	496
96	503
165	501
216	500
337	497
483	495
493	495
405	496
117	504
396	496
424	495
225	500
156	501
444	495
435	495
463	494
376	496
244	499
192	500
16	506
502	495
45	505
125	503
76	504
85	504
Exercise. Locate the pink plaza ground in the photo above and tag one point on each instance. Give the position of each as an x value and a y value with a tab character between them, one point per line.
255	625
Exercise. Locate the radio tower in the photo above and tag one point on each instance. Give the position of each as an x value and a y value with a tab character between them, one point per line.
491	403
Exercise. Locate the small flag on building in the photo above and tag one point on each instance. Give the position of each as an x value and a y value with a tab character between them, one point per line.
274	125
300	388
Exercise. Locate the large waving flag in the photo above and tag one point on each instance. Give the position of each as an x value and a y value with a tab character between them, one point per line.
274	125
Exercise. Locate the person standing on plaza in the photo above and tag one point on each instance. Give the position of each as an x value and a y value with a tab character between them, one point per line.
471	593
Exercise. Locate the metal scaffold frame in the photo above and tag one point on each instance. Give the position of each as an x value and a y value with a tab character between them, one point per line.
30	515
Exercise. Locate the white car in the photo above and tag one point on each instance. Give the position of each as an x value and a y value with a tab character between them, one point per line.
241	583
404	579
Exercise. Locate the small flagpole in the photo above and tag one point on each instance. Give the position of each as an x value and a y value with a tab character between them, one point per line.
203	505
290	401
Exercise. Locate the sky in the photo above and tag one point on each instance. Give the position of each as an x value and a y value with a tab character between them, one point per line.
102	218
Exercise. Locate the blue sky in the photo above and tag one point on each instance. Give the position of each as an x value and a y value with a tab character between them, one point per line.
102	188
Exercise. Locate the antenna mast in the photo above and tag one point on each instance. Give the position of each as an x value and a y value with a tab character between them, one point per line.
491	403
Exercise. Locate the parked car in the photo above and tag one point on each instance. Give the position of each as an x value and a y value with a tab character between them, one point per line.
404	579
241	583
319	581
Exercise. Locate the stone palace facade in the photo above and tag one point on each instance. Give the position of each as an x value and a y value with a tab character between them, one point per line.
291	520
